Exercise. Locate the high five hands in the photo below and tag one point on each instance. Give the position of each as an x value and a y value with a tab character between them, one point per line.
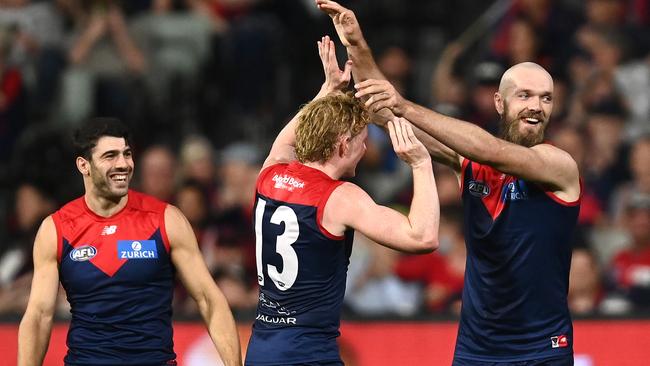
335	78
380	94
406	145
345	22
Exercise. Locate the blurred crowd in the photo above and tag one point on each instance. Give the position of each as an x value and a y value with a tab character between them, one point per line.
206	85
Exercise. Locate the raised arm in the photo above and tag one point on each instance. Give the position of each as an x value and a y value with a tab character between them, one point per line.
439	152
349	32
36	325
92	32
364	67
350	206
283	149
127	48
187	259
542	163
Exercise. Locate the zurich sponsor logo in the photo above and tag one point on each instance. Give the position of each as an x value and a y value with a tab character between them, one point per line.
515	191
478	189
137	249
83	253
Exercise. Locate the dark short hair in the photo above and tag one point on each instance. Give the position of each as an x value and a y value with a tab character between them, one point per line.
85	137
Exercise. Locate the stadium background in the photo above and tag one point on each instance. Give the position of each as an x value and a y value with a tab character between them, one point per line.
206	85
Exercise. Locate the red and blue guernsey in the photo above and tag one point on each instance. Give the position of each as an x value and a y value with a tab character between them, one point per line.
517	274
118	278
301	268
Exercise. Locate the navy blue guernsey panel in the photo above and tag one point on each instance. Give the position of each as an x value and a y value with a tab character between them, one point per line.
517	274
301	268
118	278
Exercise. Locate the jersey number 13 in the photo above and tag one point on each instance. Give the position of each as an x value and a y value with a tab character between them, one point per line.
283	214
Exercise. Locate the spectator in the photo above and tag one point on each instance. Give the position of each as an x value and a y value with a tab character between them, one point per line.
486	76
441	272
236	267
640	182
198	163
103	58
37	50
176	43
395	64
524	45
191	200
572	141
605	13
238	172
605	161
223	11
593	69
448	88
550	22
12	111
223	247
371	277
235	270
32	206
383	174
447	184
633	82
158	172
585	290
630	269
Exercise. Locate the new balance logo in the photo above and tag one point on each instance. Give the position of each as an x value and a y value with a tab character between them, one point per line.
109	230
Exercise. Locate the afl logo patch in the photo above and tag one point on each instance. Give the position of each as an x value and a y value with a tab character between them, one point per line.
478	189
84	253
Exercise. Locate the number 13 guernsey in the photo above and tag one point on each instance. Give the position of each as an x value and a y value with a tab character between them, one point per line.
301	269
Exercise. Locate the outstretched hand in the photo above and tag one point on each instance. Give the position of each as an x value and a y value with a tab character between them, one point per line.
335	78
406	145
380	94
345	22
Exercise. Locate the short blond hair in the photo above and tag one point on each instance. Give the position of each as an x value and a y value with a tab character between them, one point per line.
323	121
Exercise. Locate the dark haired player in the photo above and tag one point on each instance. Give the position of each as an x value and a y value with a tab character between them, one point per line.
116	252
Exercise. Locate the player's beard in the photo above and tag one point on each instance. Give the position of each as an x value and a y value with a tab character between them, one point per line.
509	127
105	187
